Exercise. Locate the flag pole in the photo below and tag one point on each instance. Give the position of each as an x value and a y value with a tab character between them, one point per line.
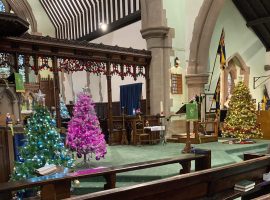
215	60
212	72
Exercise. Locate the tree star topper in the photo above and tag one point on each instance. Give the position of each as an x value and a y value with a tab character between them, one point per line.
39	96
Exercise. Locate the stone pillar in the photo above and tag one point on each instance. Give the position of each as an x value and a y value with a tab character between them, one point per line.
159	68
159	41
195	83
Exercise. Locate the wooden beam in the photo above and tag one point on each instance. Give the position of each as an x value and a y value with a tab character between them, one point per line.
109	90
56	92
50	46
141	61
258	21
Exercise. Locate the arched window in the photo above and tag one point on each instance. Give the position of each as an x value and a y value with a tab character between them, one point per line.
5	66
2	7
21	66
230	84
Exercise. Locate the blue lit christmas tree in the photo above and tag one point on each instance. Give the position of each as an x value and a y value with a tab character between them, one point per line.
43	146
63	110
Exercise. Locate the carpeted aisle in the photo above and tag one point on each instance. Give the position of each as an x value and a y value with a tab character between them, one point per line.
222	154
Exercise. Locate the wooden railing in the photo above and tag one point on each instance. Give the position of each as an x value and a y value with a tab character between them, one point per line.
58	186
211	184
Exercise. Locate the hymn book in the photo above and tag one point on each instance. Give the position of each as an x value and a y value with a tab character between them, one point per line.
47	169
244	185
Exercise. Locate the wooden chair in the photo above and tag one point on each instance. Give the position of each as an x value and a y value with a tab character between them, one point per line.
140	134
116	134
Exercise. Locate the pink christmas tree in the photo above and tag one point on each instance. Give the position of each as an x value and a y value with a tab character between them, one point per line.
84	134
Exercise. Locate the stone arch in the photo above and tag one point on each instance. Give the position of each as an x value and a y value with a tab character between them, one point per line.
26	96
204	26
234	61
9	101
7	91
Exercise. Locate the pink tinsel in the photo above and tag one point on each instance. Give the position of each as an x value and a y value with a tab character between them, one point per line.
84	133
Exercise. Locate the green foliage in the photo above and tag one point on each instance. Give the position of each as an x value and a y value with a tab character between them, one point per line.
241	119
43	146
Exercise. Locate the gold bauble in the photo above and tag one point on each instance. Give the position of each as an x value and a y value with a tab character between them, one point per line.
77	182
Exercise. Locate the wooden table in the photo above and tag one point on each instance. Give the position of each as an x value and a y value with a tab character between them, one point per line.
157	133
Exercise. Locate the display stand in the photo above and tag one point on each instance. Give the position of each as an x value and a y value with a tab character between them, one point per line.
192	114
187	148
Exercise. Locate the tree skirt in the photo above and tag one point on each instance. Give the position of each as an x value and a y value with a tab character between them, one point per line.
236	141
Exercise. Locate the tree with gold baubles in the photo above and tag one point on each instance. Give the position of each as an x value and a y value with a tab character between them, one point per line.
240	122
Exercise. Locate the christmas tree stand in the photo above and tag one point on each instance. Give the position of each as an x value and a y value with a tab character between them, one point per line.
237	141
85	163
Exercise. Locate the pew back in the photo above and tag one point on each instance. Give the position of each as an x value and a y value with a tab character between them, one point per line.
215	183
58	186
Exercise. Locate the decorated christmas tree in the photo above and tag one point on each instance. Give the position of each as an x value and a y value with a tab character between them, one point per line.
84	133
240	121
43	146
63	110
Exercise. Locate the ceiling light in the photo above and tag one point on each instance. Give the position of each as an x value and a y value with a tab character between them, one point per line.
103	26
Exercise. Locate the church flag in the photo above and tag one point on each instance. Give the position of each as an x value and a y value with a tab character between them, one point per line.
221	50
19	82
192	111
266	99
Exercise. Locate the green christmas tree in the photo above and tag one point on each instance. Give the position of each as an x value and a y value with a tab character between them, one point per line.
43	146
240	121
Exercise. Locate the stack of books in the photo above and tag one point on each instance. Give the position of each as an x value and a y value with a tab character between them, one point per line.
244	185
47	169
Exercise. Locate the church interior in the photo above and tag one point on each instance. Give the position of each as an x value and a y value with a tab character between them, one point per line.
134	99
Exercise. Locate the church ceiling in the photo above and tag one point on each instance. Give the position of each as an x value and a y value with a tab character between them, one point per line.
257	16
81	19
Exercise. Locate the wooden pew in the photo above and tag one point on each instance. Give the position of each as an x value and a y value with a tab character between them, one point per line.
211	184
264	197
58	186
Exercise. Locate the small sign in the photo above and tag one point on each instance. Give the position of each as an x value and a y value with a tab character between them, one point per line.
192	111
19	82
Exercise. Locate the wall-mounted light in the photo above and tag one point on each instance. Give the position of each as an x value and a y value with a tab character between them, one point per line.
103	26
176	62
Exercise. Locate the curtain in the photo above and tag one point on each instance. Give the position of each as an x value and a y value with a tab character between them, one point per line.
19	141
130	96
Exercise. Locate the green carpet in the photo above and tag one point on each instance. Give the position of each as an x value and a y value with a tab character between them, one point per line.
222	154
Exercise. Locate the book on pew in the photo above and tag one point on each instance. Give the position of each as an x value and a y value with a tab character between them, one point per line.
47	169
244	185
243	189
